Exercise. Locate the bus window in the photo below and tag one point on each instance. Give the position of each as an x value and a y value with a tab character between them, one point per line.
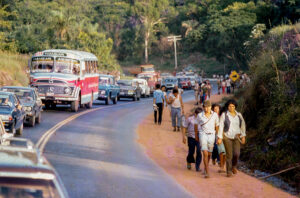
42	64
67	66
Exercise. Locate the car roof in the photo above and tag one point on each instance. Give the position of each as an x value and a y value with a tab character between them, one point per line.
25	162
6	93
17	87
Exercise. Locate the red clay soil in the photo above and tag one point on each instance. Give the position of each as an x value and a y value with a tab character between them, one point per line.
165	147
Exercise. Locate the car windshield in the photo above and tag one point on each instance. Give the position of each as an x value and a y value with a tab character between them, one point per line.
147	69
125	83
4	100
23	94
67	66
170	80
42	64
27	188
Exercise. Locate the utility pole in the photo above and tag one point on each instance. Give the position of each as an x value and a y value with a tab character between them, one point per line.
174	39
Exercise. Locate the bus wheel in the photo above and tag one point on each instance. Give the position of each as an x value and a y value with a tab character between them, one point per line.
90	104
74	106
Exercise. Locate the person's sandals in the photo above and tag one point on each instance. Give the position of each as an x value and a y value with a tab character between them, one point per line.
174	129
178	128
188	166
206	175
198	169
221	171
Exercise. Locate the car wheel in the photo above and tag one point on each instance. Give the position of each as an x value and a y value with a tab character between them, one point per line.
47	106
20	130
32	121
39	118
115	100
134	98
13	129
119	98
107	100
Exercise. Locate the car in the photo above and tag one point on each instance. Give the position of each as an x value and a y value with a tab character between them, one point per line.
129	89
12	113
184	83
30	101
108	89
143	85
170	83
25	172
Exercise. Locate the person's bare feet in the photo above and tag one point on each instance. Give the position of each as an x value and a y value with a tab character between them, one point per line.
234	170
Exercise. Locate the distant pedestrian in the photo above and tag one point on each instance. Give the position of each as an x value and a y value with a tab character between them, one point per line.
232	125
176	109
158	103
189	132
223	86
219	85
209	88
196	90
228	85
207	125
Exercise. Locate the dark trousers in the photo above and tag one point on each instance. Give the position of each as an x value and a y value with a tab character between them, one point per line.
192	143
232	147
160	110
228	90
215	153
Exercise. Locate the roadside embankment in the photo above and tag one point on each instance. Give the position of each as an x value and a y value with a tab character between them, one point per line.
166	149
13	69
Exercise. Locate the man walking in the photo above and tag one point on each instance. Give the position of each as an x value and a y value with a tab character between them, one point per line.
207	125
158	103
196	89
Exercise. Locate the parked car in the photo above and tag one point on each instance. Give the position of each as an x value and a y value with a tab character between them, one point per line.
108	89
143	85
11	112
30	101
129	89
170	83
24	172
184	83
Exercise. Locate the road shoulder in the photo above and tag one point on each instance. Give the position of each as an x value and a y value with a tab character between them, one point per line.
166	149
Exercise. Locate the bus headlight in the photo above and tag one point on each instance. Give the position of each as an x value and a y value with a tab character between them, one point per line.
27	108
67	90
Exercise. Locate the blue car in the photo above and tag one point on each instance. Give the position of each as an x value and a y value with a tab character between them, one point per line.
108	89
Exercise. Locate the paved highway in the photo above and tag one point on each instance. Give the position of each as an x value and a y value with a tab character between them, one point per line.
97	155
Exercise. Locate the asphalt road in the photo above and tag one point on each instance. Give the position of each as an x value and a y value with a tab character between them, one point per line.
97	155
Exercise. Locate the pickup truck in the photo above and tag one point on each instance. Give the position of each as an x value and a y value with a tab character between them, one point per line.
108	89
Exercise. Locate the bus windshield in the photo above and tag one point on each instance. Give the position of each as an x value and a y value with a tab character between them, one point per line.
67	66
42	64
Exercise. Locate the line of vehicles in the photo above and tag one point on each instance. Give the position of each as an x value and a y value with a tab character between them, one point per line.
60	77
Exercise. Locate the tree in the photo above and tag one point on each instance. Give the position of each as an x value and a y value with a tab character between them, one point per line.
151	13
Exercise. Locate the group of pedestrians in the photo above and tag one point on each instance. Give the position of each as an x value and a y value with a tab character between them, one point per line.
208	127
202	91
173	102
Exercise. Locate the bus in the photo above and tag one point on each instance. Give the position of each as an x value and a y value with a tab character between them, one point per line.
65	77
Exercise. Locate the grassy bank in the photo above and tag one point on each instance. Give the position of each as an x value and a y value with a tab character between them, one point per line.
13	69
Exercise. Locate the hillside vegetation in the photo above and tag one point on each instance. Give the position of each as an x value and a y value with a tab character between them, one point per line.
271	103
13	69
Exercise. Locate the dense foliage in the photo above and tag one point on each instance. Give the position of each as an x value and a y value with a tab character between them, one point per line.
136	30
271	103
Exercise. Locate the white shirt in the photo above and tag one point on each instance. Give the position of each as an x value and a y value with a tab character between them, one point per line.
209	126
228	83
234	127
223	83
176	103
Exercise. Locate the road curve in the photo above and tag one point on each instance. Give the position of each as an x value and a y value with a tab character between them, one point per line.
97	154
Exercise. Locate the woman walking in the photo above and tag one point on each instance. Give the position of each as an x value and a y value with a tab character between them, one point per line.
223	86
220	148
232	124
189	132
176	109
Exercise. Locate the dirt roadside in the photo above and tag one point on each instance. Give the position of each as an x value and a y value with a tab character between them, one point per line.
166	149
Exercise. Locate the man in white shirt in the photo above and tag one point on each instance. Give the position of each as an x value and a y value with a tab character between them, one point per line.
207	125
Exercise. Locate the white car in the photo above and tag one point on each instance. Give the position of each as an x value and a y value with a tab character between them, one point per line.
143	84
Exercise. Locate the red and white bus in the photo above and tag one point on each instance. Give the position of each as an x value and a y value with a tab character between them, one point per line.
65	77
